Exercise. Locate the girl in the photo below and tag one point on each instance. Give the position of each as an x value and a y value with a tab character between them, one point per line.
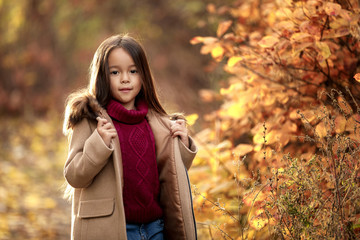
127	162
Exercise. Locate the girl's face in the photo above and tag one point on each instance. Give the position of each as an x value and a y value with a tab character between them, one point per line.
125	80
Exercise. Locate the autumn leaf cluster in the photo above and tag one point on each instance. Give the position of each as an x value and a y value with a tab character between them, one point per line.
292	91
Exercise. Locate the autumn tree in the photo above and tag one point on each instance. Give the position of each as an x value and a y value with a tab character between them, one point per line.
282	150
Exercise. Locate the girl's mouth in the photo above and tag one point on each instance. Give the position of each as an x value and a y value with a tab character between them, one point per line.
125	89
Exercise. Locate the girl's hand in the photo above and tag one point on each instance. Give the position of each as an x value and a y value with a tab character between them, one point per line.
178	129
106	130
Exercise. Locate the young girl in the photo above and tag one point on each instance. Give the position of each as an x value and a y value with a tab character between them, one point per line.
127	162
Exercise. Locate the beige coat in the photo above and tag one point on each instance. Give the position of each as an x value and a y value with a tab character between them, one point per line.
95	172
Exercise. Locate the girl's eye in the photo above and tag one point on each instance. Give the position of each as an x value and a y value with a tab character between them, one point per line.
114	72
133	71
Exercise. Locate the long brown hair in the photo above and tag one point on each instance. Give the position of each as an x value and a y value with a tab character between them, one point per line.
99	84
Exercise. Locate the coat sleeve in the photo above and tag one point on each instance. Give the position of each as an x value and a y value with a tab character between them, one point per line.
188	153
88	154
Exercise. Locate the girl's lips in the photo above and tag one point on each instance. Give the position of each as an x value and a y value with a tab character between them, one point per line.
125	89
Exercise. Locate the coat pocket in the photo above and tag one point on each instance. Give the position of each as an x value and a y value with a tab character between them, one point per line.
98	219
96	208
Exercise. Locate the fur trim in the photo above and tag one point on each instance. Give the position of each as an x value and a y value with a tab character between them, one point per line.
79	106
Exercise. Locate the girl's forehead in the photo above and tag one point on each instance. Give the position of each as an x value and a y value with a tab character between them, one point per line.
120	56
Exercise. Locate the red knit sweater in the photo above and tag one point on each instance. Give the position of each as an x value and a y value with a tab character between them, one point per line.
141	179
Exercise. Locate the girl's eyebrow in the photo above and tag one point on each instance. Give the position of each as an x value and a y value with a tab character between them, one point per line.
116	66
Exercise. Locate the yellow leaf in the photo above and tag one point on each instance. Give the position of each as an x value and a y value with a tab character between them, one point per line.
223	27
332	9
214	164
268	41
324	50
357	77
299	37
191	119
258	222
217	52
259	138
339	23
234	60
234	110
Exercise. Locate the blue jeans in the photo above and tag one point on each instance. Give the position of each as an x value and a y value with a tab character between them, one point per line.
148	231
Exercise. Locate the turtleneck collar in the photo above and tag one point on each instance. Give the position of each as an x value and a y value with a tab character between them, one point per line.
116	110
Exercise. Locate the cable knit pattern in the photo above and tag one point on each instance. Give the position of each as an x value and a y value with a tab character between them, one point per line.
141	180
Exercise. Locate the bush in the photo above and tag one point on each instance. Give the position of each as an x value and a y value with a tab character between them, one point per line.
292	91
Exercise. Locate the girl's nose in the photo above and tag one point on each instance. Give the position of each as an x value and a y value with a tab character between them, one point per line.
125	78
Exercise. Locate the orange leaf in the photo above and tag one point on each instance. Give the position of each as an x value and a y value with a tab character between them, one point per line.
268	41
321	129
357	77
223	27
205	40
344	105
243	149
289	127
340	124
196	40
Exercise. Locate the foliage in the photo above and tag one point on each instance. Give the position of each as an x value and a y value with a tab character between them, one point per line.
45	51
320	197
31	163
286	59
46	46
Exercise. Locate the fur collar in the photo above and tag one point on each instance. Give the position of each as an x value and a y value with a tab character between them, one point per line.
80	106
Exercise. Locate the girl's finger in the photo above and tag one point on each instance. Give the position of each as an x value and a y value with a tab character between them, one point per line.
107	126
112	131
101	121
181	122
179	132
177	127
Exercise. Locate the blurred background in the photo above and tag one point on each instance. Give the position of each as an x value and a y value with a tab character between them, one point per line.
264	127
45	51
